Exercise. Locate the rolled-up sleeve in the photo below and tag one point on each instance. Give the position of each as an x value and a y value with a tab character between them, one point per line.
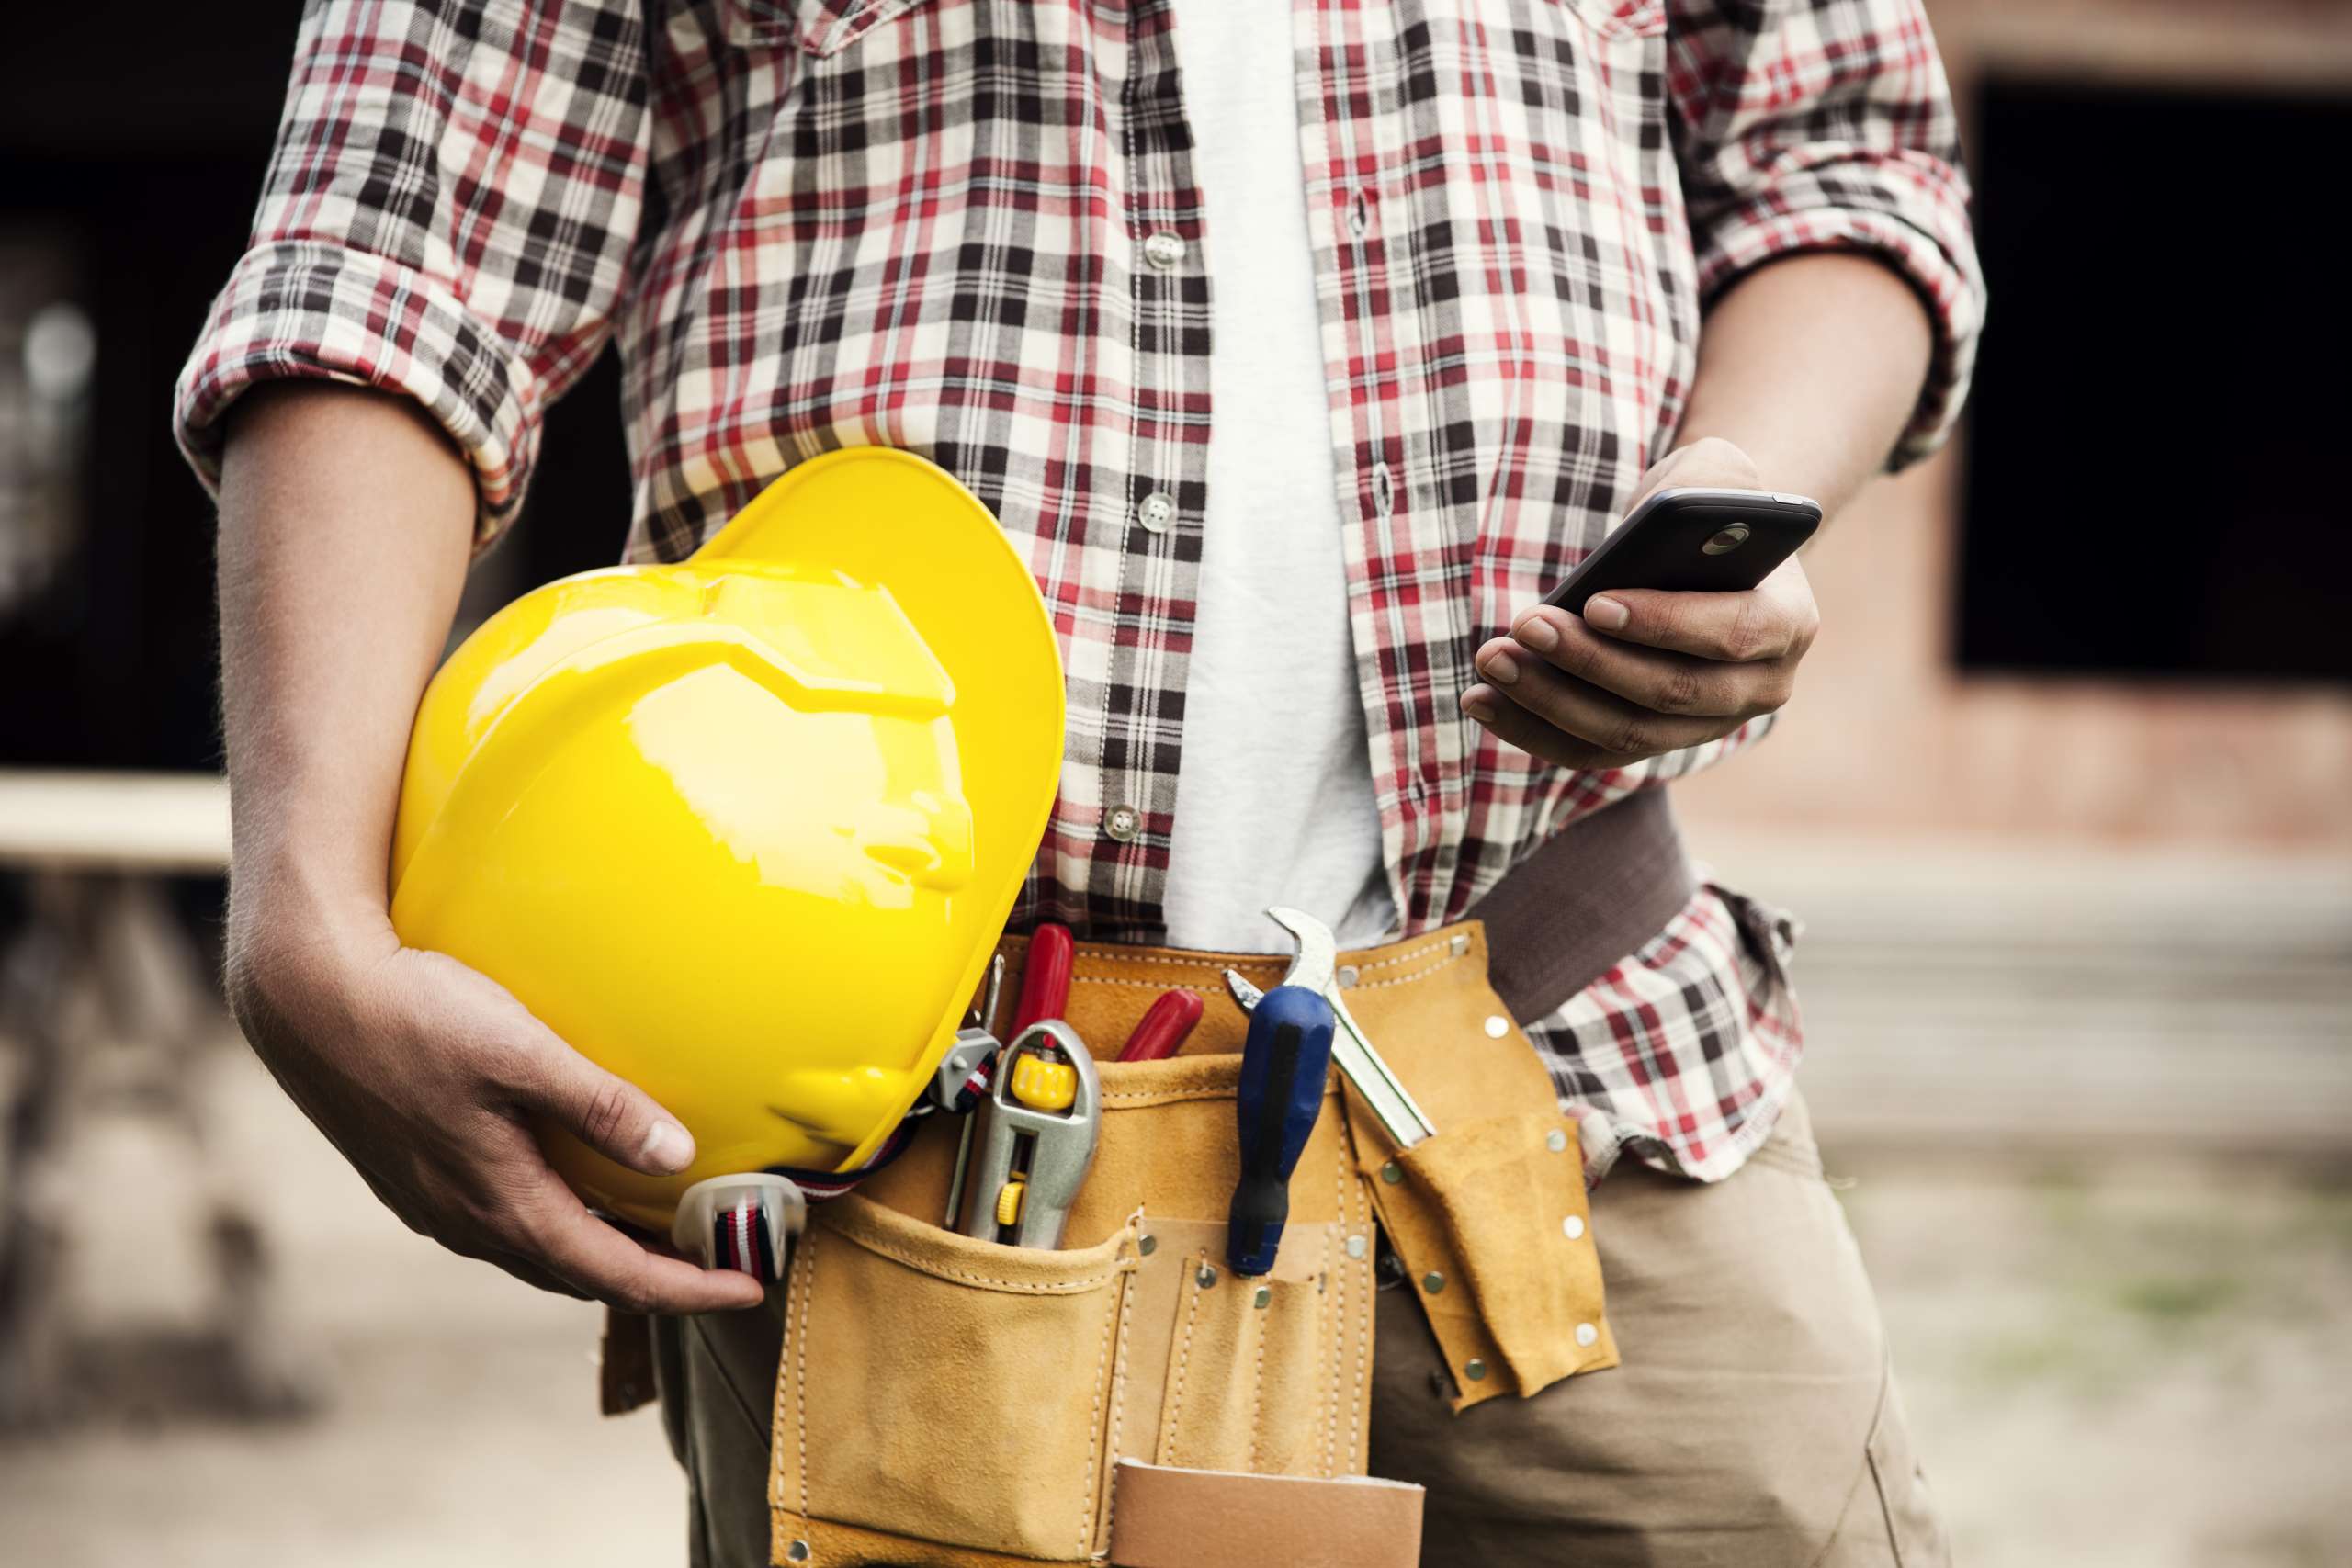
448	216
1808	125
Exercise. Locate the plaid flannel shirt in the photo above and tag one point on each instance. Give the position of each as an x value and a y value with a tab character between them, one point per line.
972	228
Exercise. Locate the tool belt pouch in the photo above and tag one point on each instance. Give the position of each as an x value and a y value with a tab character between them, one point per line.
952	1402
943	1400
955	1390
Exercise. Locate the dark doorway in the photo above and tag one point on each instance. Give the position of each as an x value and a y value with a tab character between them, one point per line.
2154	477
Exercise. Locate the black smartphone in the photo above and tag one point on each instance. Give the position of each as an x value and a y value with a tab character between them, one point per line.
1693	541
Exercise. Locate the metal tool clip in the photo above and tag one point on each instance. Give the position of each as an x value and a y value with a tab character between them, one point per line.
1384	1094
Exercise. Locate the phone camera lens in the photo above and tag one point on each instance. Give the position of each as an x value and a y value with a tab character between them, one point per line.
1727	540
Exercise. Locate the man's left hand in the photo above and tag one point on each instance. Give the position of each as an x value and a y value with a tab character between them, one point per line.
1641	672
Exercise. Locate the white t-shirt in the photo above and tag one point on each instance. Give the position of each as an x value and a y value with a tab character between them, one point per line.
1273	795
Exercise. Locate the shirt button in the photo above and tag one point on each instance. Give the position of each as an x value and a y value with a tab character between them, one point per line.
1163	250
1157	511
1586	1334
1573	1228
1123	824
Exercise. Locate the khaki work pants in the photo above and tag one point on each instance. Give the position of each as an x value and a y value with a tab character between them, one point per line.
1755	1421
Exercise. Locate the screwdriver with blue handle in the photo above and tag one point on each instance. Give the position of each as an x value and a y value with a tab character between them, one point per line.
1283	1064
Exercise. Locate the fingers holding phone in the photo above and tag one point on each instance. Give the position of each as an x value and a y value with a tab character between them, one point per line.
1687	623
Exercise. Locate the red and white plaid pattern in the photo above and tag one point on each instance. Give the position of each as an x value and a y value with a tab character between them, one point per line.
813	223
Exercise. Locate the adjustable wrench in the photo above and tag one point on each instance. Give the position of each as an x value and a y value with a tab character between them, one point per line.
1319	952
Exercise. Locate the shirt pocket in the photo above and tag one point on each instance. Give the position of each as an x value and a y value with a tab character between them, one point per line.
818	29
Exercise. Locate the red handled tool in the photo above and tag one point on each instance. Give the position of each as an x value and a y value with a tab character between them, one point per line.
1163	1027
1045	977
1044	994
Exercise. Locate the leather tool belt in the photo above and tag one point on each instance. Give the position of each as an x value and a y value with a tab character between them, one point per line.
943	1400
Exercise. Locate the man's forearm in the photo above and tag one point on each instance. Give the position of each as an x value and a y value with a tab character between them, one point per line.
1811	365
345	523
346	526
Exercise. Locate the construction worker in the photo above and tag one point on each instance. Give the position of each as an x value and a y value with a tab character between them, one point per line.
1298	352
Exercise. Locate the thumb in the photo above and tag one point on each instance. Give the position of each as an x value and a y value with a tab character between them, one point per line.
608	1114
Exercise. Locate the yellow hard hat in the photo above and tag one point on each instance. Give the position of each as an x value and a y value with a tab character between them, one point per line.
744	830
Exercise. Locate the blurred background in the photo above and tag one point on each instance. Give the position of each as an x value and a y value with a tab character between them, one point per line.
2065	804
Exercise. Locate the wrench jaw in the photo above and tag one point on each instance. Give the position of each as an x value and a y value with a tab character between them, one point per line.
1384	1095
1319	950
744	1222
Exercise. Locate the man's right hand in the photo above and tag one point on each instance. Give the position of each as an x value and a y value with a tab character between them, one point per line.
345	522
425	1073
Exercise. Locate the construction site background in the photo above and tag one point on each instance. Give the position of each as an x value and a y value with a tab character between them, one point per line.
2077	974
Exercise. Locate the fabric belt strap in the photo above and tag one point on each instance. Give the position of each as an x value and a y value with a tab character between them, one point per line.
1595	891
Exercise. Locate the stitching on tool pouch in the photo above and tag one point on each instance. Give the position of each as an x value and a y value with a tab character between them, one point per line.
1183	1361
1214	967
1164	1096
1128	1097
1363	1346
1118	1395
1335	1249
779	1428
1257	1384
800	1376
1142	984
1094	1443
1027	1287
1411	954
1416	974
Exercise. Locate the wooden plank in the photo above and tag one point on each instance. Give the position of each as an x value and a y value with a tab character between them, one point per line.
131	822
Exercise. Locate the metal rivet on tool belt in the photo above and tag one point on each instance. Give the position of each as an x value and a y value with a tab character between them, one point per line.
1157	511
1124	823
1205	1278
1346	974
1147	1245
1433	1281
1573	1227
1496	1026
1358	1247
798	1551
1586	1334
1264	1295
1163	250
1476	1371
1555	1141
1393	1173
